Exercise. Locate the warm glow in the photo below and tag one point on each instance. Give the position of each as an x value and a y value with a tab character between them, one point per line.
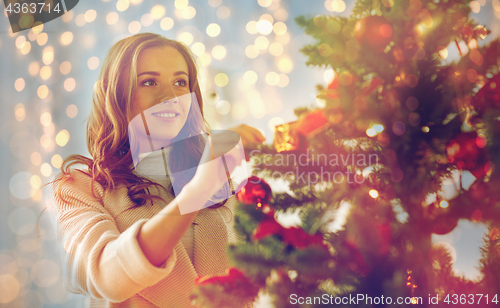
20	42
475	6
264	27
180	4
378	128
134	27
46	170
65	67
373	193
112	18
283	81
56	161
272	78
69	84
93	63
147	20
66	38
62	138
223	12
122	5
48	55
26	48
46	118
20	112
72	111
80	20
261	42
285	65
279	28
45	72
198	48
42	38
223	107
442	52
328	75
276	49
42	91
219	52
34	68
250	77
265	3
90	15
444	204
19	84
166	23
221	80
186	38
371	132
213	30
189	12
252	51
36	158
158	11
251	27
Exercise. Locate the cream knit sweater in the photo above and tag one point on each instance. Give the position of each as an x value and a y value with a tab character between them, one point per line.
101	256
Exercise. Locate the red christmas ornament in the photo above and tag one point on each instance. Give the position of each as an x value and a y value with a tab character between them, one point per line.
333	88
234	278
374	32
256	191
299	239
267	227
466	150
488	95
444	225
294	236
312	123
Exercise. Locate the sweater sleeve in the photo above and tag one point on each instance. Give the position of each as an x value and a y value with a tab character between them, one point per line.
97	259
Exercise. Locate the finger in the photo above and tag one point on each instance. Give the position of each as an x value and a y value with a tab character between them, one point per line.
257	135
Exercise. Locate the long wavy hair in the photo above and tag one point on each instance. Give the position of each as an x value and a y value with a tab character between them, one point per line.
107	125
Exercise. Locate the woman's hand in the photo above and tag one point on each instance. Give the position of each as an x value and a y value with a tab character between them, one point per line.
211	173
249	135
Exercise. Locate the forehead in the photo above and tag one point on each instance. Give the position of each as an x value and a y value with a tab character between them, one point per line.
165	58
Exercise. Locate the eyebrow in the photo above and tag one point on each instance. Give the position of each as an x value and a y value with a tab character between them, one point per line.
158	74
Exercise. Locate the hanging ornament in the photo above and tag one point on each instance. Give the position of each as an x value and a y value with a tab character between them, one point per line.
374	32
488	95
444	225
286	138
465	152
312	123
256	191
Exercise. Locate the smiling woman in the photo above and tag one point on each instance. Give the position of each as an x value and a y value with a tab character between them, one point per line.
123	240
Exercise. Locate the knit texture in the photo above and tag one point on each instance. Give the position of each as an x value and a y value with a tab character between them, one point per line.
101	256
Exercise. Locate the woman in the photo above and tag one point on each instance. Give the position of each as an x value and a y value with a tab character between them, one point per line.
123	238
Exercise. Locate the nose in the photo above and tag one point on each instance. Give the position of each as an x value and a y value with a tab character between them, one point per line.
169	96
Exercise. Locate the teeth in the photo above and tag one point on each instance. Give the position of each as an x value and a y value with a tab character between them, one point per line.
165	115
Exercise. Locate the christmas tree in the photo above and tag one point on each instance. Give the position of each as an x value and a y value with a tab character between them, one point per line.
397	120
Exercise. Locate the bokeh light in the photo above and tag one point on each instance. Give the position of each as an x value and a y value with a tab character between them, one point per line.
93	63
65	67
112	18
158	11
219	52
213	30
69	84
221	80
19	84
62	138
166	23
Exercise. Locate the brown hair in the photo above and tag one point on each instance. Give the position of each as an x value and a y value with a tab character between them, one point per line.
107	126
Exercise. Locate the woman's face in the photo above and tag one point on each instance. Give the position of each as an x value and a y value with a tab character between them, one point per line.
162	94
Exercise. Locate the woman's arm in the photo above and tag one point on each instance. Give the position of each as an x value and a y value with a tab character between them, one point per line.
159	235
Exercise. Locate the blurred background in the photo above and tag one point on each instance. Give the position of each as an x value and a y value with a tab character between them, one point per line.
252	72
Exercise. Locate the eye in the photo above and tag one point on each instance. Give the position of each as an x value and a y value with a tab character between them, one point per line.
149	82
181	82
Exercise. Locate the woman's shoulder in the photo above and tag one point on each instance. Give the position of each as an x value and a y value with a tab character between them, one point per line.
77	181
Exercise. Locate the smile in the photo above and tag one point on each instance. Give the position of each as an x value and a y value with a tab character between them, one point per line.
165	115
